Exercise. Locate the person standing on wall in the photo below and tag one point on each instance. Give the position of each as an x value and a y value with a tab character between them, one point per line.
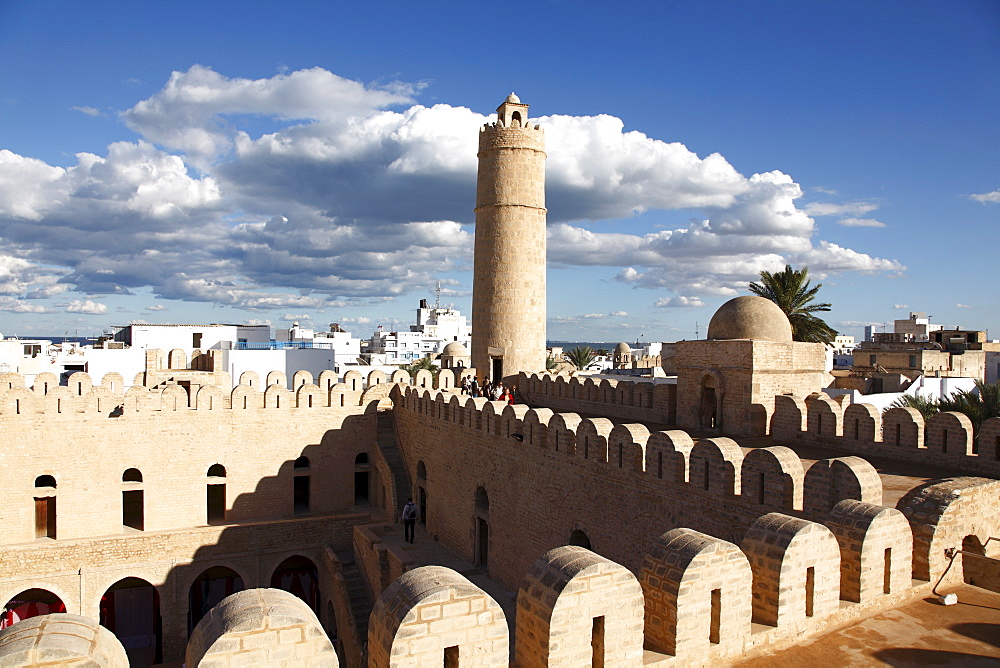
409	519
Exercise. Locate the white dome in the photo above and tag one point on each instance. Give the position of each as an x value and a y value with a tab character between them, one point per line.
513	99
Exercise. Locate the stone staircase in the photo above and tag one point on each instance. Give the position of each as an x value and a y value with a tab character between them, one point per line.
394	458
361	604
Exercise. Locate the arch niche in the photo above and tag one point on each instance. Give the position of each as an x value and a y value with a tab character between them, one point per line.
30	603
298	575
208	590
130	609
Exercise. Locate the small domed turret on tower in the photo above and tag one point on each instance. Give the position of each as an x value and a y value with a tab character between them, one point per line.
508	294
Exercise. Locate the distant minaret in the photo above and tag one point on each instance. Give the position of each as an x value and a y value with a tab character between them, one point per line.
508	292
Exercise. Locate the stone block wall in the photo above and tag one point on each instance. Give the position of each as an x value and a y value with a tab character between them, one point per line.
60	639
433	616
544	484
260	627
576	608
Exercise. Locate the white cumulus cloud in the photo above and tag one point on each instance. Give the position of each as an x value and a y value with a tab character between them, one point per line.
987	198
86	306
860	222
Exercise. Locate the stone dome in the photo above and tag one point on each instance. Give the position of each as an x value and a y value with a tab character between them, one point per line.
455	349
750	317
623	349
513	99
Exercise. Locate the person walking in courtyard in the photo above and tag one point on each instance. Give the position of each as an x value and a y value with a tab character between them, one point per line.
409	520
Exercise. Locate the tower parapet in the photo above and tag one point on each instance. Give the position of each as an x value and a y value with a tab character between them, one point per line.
508	299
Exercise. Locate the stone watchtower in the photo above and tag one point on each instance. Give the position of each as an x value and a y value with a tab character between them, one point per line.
508	292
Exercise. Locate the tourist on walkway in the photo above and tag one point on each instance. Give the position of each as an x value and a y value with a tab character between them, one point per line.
409	520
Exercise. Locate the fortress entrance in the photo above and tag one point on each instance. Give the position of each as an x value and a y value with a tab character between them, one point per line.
497	368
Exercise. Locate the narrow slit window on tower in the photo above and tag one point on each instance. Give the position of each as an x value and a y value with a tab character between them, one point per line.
707	474
887	572
716	619
760	483
810	589
944	440
451	657
659	464
597	642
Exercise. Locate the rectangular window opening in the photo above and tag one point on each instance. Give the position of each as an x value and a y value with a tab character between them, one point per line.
301	495
944	440
760	483
659	464
132	511
216	503
45	517
706	475
451	657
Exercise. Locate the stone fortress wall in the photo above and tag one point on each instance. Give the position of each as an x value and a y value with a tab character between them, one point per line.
683	511
85	448
716	537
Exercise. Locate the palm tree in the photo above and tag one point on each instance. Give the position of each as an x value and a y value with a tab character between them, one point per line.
422	363
980	403
927	406
790	290
581	356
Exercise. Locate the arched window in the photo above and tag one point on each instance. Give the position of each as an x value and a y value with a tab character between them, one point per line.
45	481
133	515
579	538
215	502
45	507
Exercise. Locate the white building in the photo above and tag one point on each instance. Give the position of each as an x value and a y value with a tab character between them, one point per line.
436	327
918	325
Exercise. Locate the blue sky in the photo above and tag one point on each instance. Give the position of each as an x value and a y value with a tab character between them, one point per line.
315	161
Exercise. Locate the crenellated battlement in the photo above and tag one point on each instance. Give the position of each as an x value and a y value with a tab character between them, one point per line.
762	480
858	429
82	396
945	440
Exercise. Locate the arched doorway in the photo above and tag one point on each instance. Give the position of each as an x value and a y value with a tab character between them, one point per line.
30	603
708	417
208	590
482	519
422	492
298	575
361	478
579	538
130	609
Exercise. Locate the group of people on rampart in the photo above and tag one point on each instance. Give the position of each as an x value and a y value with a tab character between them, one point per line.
494	391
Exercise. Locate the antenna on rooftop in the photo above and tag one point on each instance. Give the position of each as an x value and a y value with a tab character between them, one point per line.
437	300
